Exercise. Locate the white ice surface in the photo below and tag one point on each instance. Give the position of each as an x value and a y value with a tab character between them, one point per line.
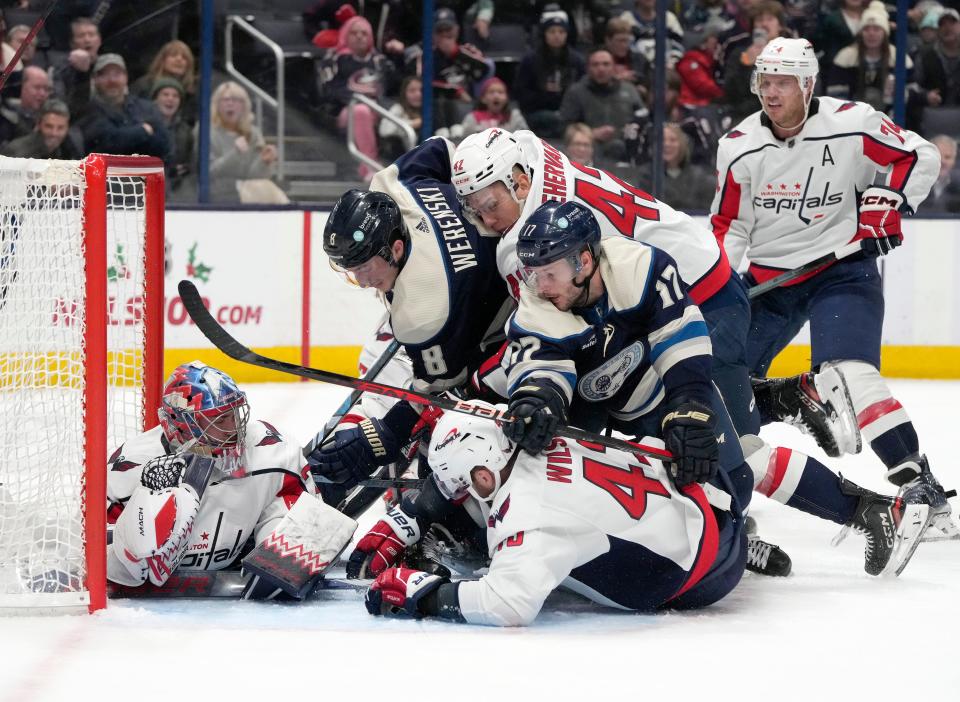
828	632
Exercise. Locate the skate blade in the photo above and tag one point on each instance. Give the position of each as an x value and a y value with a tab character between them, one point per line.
916	519
944	529
832	386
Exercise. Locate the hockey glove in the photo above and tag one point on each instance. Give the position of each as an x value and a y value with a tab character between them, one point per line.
689	434
154	528
537	408
353	454
397	592
879	224
383	545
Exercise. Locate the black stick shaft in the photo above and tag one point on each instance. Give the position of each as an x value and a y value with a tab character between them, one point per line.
222	339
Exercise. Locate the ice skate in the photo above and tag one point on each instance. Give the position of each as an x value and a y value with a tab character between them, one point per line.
914	471
892	526
818	404
764	558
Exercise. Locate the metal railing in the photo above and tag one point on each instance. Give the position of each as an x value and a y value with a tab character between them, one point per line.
410	136
278	103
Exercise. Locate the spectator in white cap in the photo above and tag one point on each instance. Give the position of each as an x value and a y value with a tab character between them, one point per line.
116	122
863	71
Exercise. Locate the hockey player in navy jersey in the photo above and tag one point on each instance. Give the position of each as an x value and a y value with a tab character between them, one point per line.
801	178
605	329
164	522
606	334
503	177
407	238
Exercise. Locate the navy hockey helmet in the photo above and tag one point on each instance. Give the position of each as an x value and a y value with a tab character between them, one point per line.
557	230
362	225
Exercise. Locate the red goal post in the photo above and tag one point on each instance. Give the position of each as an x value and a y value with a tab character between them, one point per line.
81	356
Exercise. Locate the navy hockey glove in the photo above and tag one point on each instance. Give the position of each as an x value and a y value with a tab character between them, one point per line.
878	227
689	434
351	455
398	592
537	407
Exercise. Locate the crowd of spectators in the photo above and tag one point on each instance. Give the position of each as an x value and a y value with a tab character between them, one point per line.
583	78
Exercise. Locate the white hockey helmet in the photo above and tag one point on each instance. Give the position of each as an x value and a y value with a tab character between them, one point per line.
791	57
461	442
486	158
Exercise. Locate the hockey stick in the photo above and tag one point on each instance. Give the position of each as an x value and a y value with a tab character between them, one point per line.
358	499
785	277
222	339
27	40
354	398
212	584
399	483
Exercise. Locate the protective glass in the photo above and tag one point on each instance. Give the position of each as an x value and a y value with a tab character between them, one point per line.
770	84
453	487
553	276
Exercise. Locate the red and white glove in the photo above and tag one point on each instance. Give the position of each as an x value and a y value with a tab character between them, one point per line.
383	545
398	591
878	227
151	534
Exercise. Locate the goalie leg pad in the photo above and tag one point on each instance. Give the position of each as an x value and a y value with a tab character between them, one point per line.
307	540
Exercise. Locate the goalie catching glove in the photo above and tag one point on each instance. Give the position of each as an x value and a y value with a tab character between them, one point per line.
689	434
151	534
878	227
383	545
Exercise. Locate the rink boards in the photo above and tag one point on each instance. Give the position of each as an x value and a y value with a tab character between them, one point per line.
267	280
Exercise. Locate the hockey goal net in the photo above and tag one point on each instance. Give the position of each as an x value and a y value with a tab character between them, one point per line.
81	339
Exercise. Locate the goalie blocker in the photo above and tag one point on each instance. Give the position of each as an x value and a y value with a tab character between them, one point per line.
293	558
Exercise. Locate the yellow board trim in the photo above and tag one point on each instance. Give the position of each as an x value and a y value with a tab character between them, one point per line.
939	362
338	359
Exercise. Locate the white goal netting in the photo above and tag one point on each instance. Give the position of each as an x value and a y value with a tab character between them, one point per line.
43	354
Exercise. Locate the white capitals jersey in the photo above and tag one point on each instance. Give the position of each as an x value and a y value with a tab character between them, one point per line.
602	522
786	203
621	210
231	510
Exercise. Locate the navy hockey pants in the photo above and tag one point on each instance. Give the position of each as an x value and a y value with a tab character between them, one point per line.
844	305
727	314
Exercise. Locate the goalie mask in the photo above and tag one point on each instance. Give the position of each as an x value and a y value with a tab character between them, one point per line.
460	443
202	406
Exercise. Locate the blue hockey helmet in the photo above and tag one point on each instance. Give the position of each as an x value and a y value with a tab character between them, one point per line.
557	230
203	406
362	225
